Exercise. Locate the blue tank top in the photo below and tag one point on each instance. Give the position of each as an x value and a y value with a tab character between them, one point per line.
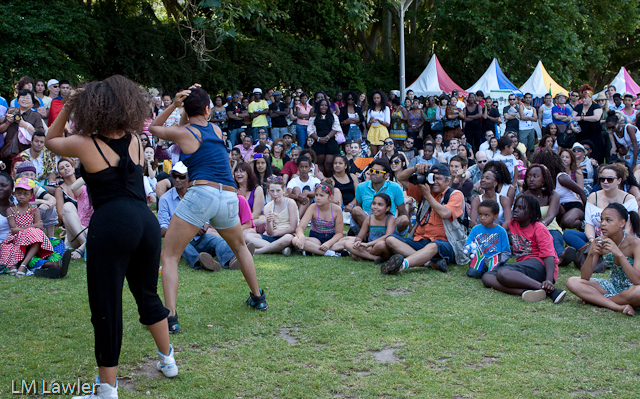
210	161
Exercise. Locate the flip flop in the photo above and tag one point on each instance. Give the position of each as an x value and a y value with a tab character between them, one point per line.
64	262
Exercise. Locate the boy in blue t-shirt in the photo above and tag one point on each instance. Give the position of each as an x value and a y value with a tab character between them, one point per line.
487	241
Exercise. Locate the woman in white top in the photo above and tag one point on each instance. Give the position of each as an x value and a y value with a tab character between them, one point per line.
378	120
489	183
282	220
493	148
626	138
572	196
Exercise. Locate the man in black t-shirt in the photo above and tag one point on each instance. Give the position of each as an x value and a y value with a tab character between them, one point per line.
236	113
278	111
491	116
511	115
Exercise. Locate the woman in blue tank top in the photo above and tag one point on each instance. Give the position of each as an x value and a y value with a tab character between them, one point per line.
211	197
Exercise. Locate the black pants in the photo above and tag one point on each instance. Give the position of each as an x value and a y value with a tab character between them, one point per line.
474	137
123	241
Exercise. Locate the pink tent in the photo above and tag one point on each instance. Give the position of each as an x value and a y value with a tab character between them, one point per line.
434	81
624	83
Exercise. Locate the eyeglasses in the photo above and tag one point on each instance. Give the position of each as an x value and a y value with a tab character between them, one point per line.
377	172
388	143
574	95
144	139
56	87
178	176
607	179
274	178
396	161
409	142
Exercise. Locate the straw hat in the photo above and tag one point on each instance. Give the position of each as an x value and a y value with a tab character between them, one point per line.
600	96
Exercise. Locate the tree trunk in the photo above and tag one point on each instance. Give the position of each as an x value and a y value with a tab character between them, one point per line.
387	22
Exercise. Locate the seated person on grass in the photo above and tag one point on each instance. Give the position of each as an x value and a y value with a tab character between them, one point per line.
380	170
200	251
301	187
489	239
460	177
326	225
282	219
376	228
429	244
618	249
534	273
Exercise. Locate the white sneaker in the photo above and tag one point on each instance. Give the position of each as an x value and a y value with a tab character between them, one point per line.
167	363
534	295
102	391
286	251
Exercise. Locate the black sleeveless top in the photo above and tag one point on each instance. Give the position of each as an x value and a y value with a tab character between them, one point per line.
323	126
347	190
124	180
475	124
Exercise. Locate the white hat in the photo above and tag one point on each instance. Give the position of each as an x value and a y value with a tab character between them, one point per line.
180	168
52	82
580	146
257	90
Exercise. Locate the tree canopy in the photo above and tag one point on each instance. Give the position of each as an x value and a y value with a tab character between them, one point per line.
334	44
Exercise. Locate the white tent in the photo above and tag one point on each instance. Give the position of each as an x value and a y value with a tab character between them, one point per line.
540	83
493	80
434	81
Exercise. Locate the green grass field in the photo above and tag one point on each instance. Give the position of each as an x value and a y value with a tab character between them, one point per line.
334	328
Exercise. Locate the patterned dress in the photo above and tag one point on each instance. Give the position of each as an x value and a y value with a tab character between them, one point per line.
398	127
618	280
13	249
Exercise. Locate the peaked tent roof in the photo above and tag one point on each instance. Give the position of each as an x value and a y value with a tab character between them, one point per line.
493	79
434	81
625	83
540	83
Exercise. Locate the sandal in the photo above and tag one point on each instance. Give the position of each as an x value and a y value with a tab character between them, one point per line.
77	252
13	271
20	273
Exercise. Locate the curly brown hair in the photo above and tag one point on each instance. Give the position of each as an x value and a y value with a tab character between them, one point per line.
548	184
112	105
619	170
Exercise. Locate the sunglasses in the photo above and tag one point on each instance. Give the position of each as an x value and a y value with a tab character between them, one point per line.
274	178
607	179
144	139
323	187
377	172
396	161
388	143
56	87
178	176
577	150
483	161
409	142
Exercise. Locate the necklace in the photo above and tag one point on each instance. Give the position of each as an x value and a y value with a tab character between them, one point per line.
623	237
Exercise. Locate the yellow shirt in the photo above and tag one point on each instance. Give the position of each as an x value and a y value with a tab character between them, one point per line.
258	106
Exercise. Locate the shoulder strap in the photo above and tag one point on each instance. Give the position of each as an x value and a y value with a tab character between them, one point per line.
100	151
625	198
139	148
194	135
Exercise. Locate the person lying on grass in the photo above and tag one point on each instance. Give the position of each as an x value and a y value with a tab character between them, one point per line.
282	219
534	273
621	292
376	228
326	225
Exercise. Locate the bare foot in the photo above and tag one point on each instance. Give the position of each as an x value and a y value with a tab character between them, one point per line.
628	310
75	255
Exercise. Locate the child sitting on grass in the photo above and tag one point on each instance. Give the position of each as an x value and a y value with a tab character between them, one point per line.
282	219
327	226
491	241
376	228
26	232
534	273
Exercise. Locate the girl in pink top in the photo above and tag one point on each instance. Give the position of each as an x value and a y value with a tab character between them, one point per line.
302	113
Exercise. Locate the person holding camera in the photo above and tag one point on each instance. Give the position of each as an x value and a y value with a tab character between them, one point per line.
437	228
20	125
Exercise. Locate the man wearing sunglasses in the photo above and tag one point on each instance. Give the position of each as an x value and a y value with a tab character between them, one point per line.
511	115
436	226
379	171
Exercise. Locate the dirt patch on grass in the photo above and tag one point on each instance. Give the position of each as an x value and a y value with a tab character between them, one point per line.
148	369
127	384
486	361
399	291
592	394
284	334
385	355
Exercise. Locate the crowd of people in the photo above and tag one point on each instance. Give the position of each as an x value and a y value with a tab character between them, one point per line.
420	183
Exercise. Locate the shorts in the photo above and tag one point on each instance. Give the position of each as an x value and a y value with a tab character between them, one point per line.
528	138
354	133
202	204
269	238
330	148
573	205
49	217
445	250
320	236
532	268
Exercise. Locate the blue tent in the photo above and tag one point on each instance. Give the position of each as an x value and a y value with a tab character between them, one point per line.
493	79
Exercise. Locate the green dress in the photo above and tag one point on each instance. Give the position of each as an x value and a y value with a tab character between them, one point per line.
618	280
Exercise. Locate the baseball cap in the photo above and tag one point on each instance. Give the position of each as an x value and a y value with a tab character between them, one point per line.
440	170
580	146
25	183
287	134
52	82
277	93
180	168
257	90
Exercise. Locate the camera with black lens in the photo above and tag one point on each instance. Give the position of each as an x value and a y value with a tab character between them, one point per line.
17	118
419	178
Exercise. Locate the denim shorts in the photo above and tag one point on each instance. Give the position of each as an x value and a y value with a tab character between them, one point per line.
354	133
445	250
204	204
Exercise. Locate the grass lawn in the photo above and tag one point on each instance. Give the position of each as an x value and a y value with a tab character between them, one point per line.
334	328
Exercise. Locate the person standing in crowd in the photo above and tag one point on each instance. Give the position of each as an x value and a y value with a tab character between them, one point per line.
278	111
322	129
491	115
351	118
511	115
258	111
626	137
472	116
378	121
588	116
236	113
629	112
219	115
109	149
617	103
212	196
417	121
526	132
303	113
20	125
39	90
399	119
611	90
574	100
560	114
545	112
